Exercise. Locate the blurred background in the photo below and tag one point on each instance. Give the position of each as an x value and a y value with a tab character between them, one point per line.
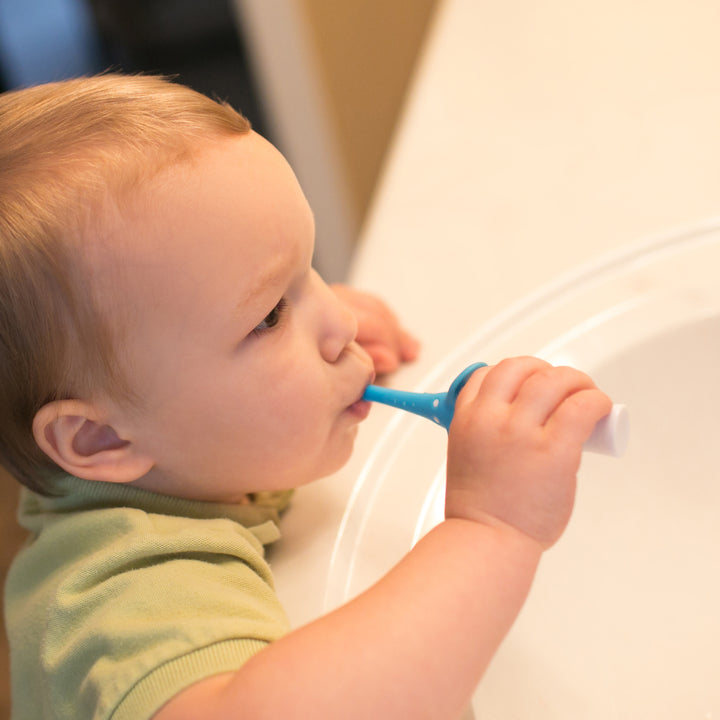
323	80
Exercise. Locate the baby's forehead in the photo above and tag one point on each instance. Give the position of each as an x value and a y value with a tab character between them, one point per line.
187	215
127	229
130	198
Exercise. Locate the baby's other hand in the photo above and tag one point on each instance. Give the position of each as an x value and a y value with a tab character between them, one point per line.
515	445
379	331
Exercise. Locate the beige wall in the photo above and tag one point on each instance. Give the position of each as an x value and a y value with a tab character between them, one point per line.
366	51
333	75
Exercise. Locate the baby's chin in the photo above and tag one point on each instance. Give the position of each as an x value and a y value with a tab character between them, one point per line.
341	455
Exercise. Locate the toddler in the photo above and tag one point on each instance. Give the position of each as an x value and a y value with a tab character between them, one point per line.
171	368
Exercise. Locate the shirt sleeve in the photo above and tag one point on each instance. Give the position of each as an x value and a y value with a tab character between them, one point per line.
151	605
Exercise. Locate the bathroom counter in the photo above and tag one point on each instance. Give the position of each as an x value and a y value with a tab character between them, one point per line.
535	138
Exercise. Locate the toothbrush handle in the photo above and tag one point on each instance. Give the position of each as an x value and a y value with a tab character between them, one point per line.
610	436
427	405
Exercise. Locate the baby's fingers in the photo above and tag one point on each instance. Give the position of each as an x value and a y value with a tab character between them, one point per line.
531	396
380	333
577	415
505	380
545	389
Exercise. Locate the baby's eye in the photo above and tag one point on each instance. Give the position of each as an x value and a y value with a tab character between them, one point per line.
273	318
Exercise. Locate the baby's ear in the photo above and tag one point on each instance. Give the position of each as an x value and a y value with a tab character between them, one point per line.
71	434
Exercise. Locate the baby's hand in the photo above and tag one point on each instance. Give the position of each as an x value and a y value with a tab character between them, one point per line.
515	445
379	331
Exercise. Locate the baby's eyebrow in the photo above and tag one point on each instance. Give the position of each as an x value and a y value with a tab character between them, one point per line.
266	280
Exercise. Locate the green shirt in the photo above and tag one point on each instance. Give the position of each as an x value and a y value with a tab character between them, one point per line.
123	597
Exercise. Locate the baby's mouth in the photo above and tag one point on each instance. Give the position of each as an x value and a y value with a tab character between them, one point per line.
361	407
370	380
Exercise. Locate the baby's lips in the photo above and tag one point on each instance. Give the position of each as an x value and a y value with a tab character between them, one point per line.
370	380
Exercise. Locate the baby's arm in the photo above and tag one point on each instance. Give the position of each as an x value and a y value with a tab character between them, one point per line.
417	642
379	331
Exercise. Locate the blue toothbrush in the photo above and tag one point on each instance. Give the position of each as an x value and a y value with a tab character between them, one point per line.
438	407
610	436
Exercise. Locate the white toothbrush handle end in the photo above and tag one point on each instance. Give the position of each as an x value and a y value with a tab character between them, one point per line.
611	434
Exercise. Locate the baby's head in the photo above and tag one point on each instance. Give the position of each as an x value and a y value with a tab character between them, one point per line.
160	321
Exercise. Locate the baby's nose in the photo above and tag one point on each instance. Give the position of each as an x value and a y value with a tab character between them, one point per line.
340	329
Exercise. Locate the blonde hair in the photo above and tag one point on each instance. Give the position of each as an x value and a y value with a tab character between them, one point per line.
65	149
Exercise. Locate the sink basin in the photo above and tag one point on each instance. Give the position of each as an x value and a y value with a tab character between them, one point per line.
623	620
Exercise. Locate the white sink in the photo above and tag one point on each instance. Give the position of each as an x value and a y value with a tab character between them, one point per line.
623	620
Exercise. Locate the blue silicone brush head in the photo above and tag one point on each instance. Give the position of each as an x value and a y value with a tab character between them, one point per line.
437	407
